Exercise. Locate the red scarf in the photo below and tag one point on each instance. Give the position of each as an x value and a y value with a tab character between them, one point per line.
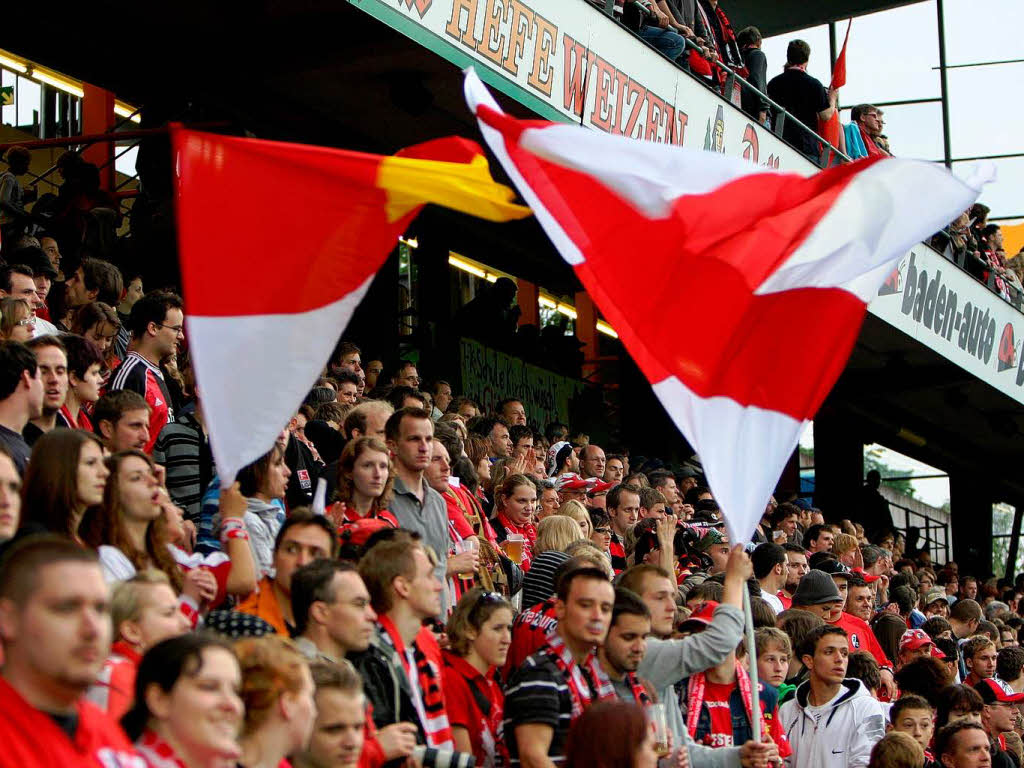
436	727
639	692
695	700
581	678
157	753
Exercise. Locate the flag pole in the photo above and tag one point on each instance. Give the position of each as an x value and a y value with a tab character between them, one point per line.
755	699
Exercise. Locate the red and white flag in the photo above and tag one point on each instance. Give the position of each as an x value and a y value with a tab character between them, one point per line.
278	245
739	291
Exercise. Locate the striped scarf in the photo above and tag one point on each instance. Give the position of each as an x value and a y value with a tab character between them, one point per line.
639	692
695	700
582	679
157	753
428	677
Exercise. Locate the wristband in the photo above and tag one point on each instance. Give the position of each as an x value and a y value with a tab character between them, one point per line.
233	528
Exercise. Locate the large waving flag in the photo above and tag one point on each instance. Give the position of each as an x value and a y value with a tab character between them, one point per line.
738	291
278	244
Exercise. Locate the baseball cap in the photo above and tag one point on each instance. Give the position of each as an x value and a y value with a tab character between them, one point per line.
597	485
552	463
832	567
571	482
868	577
701	618
914	639
816	588
933	595
712	537
993	691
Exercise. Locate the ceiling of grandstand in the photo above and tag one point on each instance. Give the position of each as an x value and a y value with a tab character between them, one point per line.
780	16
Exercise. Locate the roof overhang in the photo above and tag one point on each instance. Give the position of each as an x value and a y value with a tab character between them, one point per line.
782	16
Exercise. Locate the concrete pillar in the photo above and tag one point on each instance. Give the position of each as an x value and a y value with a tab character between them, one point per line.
586	332
838	465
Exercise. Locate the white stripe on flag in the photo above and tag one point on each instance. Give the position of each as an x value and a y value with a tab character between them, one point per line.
253	372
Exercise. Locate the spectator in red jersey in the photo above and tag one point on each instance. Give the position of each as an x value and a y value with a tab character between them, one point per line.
479	635
157	323
187	709
65	477
514	503
980	657
277	690
55	628
364	486
84	380
143	612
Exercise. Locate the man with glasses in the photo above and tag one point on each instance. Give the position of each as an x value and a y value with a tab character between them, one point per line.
999	716
406	376
156	323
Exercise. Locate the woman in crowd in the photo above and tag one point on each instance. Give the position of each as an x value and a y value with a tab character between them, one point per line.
264	484
143	612
889	628
84	381
514	502
277	690
958	702
65	476
99	323
10	496
479	636
477	452
187	710
365	480
611	734
17	323
578	512
554	535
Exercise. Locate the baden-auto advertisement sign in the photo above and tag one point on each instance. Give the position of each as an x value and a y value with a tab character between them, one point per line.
566	60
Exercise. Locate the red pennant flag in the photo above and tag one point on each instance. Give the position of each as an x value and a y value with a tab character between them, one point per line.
738	290
830	129
278	244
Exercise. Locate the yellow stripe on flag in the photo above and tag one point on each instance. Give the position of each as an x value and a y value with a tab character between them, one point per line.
465	187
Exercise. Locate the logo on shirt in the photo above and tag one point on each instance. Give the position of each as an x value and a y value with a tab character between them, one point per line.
855	641
304	479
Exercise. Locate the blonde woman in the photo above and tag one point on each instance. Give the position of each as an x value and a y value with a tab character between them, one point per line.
577	512
17	323
554	535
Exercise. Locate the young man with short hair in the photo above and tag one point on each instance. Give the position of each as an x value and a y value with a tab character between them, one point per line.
831	721
21	398
979	655
340	734
963	744
121	419
333	618
914	716
303	538
53	370
94	280
55	628
623	508
402	665
417	506
998	716
553	686
157	322
914	644
653	503
796	568
964	617
1010	667
771	572
818	539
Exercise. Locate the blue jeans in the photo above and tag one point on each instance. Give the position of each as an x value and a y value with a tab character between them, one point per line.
668	41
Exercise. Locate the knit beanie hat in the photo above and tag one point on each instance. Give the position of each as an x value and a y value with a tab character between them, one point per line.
816	588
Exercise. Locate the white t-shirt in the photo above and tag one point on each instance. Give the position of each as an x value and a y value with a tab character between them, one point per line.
773	601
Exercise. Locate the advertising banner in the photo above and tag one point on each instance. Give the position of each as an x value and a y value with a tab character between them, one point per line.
488	376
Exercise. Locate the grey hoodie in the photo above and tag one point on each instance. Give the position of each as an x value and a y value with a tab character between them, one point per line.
669	661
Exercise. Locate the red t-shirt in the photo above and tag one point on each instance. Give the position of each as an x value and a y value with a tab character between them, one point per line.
530	632
33	738
464	710
716	699
787	602
862	638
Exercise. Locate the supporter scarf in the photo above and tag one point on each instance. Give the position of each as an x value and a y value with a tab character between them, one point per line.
436	727
528	532
618	553
695	700
729	38
639	692
156	752
582	679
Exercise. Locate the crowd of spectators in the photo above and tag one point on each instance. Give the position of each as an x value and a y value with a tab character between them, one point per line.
403	576
976	245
